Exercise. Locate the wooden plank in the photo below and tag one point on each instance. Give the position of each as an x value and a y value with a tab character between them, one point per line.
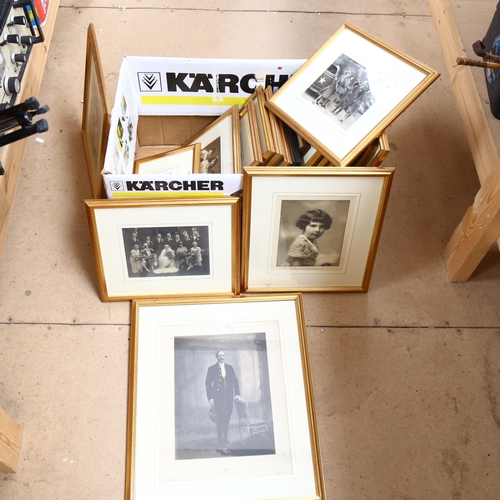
12	154
4	208
482	146
10	443
11	160
479	228
479	136
449	38
473	20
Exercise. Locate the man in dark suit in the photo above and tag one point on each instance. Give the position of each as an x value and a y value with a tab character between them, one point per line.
131	241
159	243
222	390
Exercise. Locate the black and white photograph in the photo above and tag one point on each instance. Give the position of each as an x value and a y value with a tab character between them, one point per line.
220	144
348	92
342	92
221	401
152	252
311	232
210	158
222	396
311	229
154	248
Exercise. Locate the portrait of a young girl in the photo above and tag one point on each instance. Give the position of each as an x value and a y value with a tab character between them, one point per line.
304	249
311	232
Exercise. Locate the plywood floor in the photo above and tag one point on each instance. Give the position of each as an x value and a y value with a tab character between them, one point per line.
406	376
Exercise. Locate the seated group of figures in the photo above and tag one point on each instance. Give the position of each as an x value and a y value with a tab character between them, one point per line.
164	253
345	94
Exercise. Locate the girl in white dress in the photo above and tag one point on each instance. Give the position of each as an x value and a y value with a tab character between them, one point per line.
304	249
135	259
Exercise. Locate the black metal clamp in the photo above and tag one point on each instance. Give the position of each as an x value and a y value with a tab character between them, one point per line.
19	119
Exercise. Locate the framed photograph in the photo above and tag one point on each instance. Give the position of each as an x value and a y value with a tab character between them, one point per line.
251	152
312	229
184	160
220	145
157	248
348	92
96	115
268	147
220	401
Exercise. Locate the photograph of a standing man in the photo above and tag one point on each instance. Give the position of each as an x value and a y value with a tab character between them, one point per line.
222	390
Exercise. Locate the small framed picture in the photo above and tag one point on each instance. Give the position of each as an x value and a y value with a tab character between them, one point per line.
312	229
184	160
348	92
157	248
220	145
220	401
96	114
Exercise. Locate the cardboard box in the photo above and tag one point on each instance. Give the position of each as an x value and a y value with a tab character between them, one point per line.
160	104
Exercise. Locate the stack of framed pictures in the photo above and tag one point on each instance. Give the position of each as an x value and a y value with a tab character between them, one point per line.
309	220
289	145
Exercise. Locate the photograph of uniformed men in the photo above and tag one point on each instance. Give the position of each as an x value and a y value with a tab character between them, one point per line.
311	232
222	396
152	252
341	93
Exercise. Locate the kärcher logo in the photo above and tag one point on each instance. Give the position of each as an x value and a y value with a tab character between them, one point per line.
149	82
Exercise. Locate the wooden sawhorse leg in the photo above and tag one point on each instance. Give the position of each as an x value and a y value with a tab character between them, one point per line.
479	229
10	443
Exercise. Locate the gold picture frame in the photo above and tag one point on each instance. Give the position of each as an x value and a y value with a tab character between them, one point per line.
271	450
178	161
348	93
96	117
375	153
268	147
220	144
312	157
286	212
251	151
203	258
280	141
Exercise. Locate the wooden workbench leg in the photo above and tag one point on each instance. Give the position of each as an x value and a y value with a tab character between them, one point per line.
10	443
479	229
